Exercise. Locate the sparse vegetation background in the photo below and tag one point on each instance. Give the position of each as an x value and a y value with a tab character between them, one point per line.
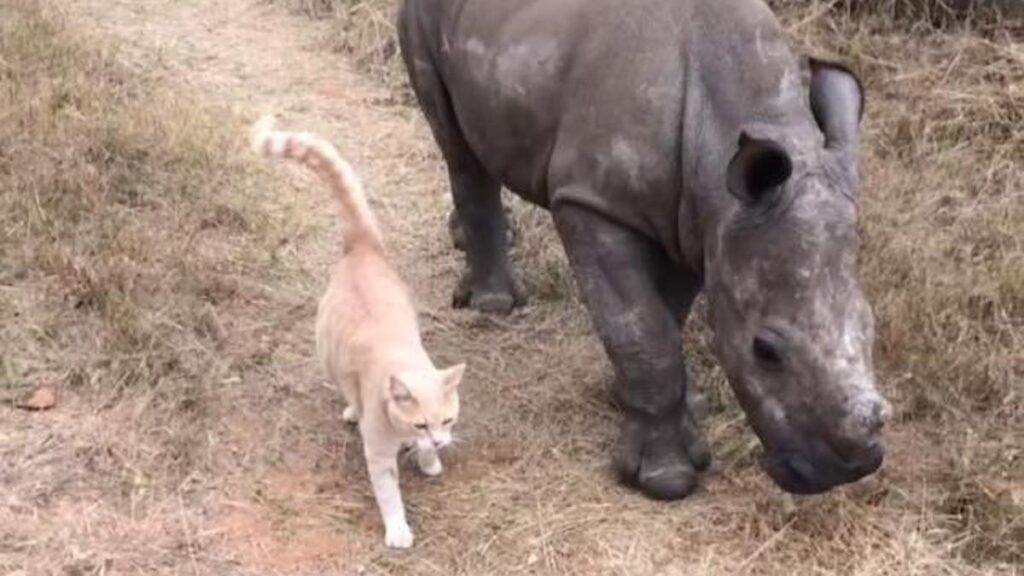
138	243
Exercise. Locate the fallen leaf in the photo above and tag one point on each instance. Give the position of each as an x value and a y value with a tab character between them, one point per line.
43	398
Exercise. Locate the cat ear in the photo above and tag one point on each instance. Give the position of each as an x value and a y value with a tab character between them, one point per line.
398	390
451	377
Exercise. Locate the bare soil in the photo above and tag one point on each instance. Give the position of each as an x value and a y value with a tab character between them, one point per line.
270	481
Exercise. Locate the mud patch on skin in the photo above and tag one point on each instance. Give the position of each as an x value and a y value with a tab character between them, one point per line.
525	67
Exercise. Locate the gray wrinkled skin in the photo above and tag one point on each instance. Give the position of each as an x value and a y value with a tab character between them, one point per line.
678	150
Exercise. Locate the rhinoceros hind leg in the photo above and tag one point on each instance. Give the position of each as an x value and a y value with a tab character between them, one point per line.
458	232
488	284
479	224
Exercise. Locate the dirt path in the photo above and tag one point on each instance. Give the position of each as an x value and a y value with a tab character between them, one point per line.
290	495
276	484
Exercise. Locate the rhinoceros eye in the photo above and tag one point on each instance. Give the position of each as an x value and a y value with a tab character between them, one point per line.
766	351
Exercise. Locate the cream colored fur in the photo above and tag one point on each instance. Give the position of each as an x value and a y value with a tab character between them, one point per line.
368	339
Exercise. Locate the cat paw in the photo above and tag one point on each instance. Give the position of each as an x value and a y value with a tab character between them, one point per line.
431	466
350	415
398	535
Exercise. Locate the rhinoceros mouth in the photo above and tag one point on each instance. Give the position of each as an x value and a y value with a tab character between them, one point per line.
793	474
796	474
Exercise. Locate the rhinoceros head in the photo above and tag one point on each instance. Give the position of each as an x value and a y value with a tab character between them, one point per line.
792	327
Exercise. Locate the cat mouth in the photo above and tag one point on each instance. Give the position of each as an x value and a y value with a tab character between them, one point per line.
431	444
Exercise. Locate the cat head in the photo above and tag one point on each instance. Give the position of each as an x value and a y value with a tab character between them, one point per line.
425	404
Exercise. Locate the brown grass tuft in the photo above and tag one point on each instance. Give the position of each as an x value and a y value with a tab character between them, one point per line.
921	15
364	30
126	221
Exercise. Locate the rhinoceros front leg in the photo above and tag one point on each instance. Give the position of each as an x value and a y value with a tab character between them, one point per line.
620	275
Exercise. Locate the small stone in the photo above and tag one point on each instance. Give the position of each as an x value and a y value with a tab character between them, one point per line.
43	398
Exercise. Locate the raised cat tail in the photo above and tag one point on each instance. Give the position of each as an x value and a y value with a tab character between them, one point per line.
358	225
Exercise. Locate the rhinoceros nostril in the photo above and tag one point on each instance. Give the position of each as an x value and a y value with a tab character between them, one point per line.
876	416
876	420
864	423
885	410
767	351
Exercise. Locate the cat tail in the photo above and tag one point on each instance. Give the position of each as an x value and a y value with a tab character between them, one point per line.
358	225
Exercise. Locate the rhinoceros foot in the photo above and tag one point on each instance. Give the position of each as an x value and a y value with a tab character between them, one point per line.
496	296
661	456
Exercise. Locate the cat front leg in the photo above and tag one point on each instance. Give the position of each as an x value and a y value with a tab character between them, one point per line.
383	470
350	390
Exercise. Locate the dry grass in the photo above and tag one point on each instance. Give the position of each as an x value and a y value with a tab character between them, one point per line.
364	30
131	231
941	13
156	277
127	218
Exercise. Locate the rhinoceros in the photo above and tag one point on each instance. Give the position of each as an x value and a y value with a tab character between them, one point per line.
679	146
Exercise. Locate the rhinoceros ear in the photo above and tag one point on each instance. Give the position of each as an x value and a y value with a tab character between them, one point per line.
757	169
837	101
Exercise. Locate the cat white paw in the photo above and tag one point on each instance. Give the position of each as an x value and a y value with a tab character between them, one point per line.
350	415
431	465
398	535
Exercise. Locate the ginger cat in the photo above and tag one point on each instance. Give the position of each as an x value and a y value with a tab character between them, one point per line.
368	339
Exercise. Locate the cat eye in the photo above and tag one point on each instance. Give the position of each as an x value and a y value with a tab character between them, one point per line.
420	426
447	421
